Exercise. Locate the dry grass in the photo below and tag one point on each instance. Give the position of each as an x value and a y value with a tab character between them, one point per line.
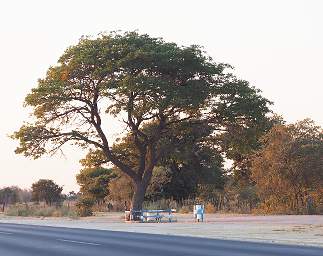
25	210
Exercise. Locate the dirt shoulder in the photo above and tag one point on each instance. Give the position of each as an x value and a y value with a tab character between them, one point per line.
291	229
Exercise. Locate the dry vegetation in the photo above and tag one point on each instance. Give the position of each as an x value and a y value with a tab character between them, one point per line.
36	210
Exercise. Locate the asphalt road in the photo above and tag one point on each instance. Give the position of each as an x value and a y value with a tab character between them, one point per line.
18	240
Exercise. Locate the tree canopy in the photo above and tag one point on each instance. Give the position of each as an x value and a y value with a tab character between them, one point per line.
94	182
288	168
8	195
46	190
150	84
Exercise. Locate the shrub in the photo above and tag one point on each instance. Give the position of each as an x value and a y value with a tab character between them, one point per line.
85	206
25	210
185	209
210	208
160	204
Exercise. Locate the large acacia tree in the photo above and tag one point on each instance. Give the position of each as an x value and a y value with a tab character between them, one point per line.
150	84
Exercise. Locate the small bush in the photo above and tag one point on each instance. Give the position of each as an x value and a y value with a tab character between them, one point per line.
18	210
210	208
85	206
185	209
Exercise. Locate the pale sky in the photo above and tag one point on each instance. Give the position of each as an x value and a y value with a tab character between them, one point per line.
276	45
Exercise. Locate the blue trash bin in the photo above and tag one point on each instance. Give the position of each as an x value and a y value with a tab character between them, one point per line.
199	212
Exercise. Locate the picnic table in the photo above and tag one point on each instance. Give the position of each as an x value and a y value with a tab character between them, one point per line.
155	215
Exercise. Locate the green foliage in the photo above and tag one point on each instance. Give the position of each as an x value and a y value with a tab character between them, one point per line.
85	206
208	192
189	159
239	142
94	182
182	206
46	190
71	196
153	85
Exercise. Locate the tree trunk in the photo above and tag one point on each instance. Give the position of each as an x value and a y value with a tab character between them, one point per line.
138	199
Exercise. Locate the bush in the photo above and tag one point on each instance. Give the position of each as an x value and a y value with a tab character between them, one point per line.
85	206
185	209
160	204
210	208
26	210
19	210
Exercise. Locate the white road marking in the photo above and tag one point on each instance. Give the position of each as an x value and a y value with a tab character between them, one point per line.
77	242
5	233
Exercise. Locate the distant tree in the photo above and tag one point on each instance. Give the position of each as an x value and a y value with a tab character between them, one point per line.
238	144
24	195
46	190
288	169
71	196
94	182
151	84
8	195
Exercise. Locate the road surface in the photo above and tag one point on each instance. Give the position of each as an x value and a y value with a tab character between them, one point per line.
30	240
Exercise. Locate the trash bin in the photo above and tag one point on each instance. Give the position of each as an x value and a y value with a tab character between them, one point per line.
199	212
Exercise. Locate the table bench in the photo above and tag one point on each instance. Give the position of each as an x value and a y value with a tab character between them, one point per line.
156	215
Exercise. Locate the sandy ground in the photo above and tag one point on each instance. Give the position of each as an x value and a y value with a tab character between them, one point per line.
291	229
